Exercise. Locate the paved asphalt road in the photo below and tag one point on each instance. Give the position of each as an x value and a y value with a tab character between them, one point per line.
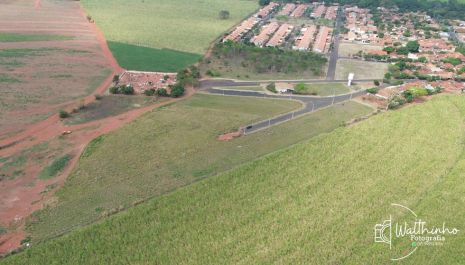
311	104
209	83
333	57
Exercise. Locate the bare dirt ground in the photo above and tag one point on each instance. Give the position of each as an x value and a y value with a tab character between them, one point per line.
45	76
21	195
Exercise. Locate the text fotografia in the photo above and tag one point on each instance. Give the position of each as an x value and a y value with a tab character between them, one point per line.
417	231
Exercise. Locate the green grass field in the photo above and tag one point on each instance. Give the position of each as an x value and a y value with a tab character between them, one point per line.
314	203
327	89
187	26
172	147
362	69
349	49
139	58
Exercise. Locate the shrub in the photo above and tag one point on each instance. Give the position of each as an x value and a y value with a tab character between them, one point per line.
299	88
376	82
408	95
213	73
127	90
419	91
413	46
224	14
271	87
149	92
453	61
162	92
177	90
98	97
373	90
396	102
114	90
63	114
116	78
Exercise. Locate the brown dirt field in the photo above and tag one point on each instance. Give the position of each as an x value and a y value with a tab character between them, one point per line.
20	131
49	75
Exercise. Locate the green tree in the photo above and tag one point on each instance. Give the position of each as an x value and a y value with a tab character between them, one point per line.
177	90
127	90
63	114
264	2
162	92
149	92
389	49
413	46
114	90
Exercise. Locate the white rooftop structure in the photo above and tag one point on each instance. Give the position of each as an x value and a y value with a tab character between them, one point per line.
350	78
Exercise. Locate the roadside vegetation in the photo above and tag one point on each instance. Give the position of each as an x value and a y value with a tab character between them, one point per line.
232	59
172	147
301	194
316	89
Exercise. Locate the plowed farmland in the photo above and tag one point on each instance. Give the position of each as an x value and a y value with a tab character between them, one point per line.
50	55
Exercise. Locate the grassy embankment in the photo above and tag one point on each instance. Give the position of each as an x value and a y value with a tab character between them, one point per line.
314	203
172	147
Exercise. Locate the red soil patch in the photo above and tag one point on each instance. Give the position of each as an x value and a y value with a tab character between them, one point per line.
56	72
230	136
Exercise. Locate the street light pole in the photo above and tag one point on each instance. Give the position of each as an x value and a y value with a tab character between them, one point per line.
334	95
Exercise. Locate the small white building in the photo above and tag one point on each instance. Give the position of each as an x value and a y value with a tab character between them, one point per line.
350	78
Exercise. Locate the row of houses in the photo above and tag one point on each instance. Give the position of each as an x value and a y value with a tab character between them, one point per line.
331	13
243	28
305	39
248	24
278	38
322	40
287	9
318	11
272	32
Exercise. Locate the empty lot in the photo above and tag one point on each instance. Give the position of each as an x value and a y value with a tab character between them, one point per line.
361	69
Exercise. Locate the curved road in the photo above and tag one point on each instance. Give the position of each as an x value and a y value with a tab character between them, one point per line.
311	103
